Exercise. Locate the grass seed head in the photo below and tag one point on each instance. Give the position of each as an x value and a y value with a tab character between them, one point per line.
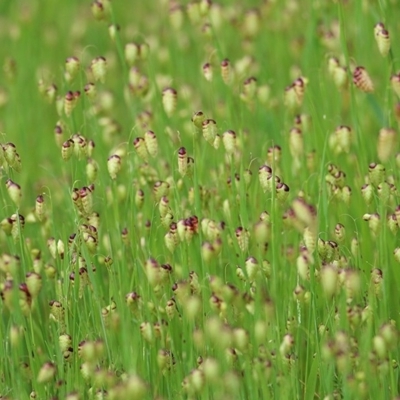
382	38
14	191
72	66
169	100
98	68
141	149
46	372
90	90
151	142
114	164
34	283
395	82
208	71
67	149
362	80
98	10
226	71
209	129
387	142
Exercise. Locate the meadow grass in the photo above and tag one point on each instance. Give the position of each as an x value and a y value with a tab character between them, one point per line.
199	199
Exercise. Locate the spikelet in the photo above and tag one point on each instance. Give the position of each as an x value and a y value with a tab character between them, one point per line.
362	80
226	71
140	147
182	161
386	144
151	142
395	82
69	103
169	100
242	237
207	72
264	175
229	141
14	191
209	128
114	165
294	94
98	68
382	39
131	52
72	66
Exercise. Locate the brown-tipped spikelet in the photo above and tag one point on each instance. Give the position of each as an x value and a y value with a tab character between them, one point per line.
226	71
132	53
90	90
395	82
169	100
386	143
209	128
362	80
46	372
140	147
182	161
14	191
198	118
294	94
98	68
264	175
207	71
67	149
382	39
114	165
229	141
151	142
376	173
242	237
34	283
72	66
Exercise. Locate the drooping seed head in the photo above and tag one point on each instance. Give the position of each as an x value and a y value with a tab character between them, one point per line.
132	53
226	71
207	71
169	100
46	372
395	82
114	164
98	67
72	66
182	161
151	142
362	80
14	191
34	283
376	173
382	39
387	141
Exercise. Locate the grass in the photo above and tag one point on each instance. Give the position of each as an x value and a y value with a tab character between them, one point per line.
251	272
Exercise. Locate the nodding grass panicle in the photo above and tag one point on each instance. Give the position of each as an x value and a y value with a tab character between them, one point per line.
207	71
382	38
140	147
72	66
395	82
182	161
114	164
387	141
209	128
226	71
362	80
229	141
98	68
169	100
14	191
151	142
